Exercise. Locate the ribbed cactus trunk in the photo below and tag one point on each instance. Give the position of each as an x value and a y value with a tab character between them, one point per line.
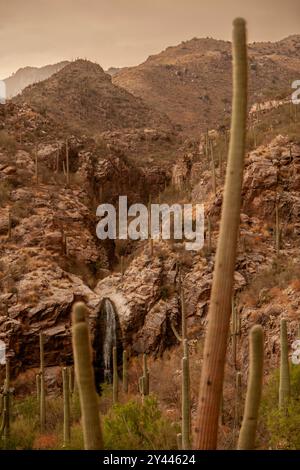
235	332
254	389
115	376
212	373
125	372
66	397
284	385
183	310
6	411
146	375
186	405
144	380
277	230
209	234
9	225
213	169
238	396
38	388
36	165
67	163
42	384
71	380
84	374
122	265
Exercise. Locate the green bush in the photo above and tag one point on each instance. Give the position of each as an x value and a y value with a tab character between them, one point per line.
282	427
134	425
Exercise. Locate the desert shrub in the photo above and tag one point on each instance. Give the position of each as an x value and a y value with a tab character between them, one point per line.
282	426
279	274
21	210
138	426
24	423
8	142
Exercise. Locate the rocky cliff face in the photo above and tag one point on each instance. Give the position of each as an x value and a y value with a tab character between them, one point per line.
53	257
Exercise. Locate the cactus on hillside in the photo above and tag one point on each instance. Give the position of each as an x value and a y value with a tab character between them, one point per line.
71	380
85	378
186	405
213	168
5	426
115	376
9	225
144	380
67	163
36	165
208	234
42	385
66	397
38	389
122	265
235	331
277	230
220	164
214	355
125	372
146	375
254	388
238	397
284	385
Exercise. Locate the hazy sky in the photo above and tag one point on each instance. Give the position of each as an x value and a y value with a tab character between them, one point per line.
125	32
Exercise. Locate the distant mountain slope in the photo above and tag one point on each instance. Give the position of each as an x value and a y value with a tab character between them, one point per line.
83	97
191	82
29	75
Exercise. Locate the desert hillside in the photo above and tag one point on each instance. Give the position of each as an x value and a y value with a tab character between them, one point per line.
191	82
29	75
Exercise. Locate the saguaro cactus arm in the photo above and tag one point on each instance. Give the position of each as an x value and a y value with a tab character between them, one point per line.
220	305
284	385
248	429
85	379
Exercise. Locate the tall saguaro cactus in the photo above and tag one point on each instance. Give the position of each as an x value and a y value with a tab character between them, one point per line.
85	378
42	386
125	372
144	380
212	373
254	389
67	163
186	405
284	385
277	229
5	428
115	375
66	396
235	332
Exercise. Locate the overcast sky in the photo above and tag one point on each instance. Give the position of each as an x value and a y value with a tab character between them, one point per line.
126	32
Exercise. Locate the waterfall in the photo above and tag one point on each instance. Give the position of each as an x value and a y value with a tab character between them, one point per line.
110	337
